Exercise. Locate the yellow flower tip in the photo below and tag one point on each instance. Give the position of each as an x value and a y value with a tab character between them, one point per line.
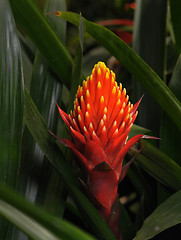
115	124
74	121
85	129
107	76
105	110
99	85
124	91
131	107
118	102
88	106
114	90
113	80
85	84
104	129
78	108
122	111
93	70
119	93
120	86
102	99
91	128
127	117
124	105
99	71
123	124
104	117
91	78
102	122
82	98
87	93
79	118
86	114
93	133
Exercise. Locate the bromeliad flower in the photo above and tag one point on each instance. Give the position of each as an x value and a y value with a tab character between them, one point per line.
99	126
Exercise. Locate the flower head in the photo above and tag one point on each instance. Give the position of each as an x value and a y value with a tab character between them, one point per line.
99	125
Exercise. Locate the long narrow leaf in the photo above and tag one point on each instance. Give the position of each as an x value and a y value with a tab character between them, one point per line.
175	7
33	22
134	64
11	100
150	29
164	216
159	165
47	144
171	143
35	222
45	91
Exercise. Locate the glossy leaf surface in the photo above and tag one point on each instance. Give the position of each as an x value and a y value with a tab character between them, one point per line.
149	27
35	222
159	165
11	101
164	216
31	19
176	18
134	64
171	143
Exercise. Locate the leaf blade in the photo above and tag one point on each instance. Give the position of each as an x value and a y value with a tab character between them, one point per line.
32	21
164	216
34	221
134	64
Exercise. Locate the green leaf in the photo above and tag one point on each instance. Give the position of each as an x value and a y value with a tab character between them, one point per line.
171	143
137	130
35	222
11	97
150	29
11	101
77	78
81	32
164	216
46	91
175	7
134	64
158	165
48	145
36	26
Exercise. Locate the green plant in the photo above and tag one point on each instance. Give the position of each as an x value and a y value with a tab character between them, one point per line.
37	71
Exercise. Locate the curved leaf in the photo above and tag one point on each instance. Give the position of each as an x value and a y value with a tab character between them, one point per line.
45	90
134	64
35	222
175	7
33	22
164	216
171	143
158	165
11	101
150	29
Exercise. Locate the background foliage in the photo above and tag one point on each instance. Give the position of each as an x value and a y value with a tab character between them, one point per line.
43	58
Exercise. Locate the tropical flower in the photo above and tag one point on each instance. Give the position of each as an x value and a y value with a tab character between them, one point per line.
99	125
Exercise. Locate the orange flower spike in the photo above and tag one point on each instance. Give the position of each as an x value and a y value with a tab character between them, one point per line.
99	126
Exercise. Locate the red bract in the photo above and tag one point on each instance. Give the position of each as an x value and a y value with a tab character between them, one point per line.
99	126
